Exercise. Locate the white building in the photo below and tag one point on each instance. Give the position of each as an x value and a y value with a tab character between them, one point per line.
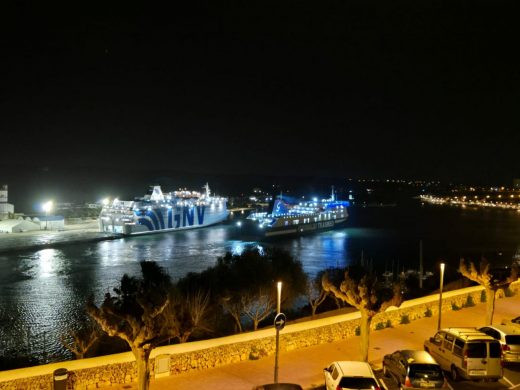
18	225
5	208
50	222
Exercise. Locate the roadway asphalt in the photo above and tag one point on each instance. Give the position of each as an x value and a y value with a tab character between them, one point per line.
305	366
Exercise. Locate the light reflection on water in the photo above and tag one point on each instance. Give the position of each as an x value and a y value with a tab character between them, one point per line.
43	293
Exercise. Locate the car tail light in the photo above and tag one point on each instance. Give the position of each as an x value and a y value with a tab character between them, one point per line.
408	382
505	348
338	387
465	360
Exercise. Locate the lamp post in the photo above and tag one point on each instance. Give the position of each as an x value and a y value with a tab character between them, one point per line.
278	304
47	207
440	296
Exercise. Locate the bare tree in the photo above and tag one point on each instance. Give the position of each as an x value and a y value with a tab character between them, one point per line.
135	313
80	341
234	306
368	297
315	295
491	283
259	306
192	315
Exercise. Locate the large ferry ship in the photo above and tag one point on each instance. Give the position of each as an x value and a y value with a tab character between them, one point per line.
299	218
162	212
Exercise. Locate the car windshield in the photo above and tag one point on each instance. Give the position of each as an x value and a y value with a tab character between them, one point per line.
357	383
432	371
513	340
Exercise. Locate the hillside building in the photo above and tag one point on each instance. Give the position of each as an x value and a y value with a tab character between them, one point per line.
6	209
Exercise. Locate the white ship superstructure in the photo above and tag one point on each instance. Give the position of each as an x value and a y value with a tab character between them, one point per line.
160	212
303	217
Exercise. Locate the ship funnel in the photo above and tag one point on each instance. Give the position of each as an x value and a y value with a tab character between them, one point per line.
280	207
208	192
157	194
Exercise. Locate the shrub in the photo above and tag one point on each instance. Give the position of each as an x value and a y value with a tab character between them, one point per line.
508	292
428	312
357	331
454	306
469	301
388	323
405	319
483	296
380	325
254	354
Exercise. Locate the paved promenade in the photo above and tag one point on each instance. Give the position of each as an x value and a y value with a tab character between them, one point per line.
305	366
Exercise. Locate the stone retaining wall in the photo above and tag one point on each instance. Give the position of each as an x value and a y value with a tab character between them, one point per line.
200	355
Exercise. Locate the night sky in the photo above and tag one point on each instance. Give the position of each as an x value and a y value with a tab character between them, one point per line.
416	89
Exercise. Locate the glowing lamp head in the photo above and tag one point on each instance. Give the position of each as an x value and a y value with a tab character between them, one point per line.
105	201
47	206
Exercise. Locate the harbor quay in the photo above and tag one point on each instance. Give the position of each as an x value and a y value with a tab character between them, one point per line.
245	360
86	231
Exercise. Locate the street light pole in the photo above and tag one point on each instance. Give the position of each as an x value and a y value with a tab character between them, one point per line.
278	304
440	296
47	207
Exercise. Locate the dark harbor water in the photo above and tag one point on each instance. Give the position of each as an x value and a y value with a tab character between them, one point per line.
42	293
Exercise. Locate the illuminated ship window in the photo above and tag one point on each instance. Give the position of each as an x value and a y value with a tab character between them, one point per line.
296	222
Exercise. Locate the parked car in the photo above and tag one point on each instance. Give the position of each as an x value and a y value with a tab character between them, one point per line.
509	338
414	370
514	321
279	386
466	353
350	375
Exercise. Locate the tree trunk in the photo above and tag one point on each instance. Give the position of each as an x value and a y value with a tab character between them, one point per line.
364	327
313	308
143	369
490	305
238	325
184	337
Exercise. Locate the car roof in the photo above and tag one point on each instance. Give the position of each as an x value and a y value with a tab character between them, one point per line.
278	386
505	329
417	356
468	334
355	368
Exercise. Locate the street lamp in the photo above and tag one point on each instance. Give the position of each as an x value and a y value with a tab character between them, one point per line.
47	208
278	303
440	296
279	296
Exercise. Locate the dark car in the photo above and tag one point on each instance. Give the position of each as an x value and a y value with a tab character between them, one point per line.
414	370
278	386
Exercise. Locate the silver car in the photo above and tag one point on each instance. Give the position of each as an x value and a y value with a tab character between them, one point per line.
509	338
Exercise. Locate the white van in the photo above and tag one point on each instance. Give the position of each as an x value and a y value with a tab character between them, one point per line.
466	353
